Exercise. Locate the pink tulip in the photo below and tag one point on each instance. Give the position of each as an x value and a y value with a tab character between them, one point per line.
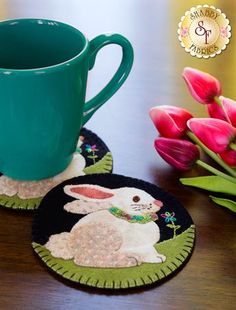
170	121
202	86
180	154
216	134
227	112
229	157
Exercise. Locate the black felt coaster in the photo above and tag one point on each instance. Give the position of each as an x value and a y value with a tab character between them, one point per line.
91	156
102	231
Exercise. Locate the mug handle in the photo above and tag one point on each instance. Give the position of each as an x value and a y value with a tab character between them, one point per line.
119	77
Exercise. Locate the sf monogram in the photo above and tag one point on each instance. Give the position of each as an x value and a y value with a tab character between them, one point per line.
201	31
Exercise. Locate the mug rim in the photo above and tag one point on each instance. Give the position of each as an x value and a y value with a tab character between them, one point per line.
52	67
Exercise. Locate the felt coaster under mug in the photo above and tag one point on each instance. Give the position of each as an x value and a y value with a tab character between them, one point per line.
112	231
91	156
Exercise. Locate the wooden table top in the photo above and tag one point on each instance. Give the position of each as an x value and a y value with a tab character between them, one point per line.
208	279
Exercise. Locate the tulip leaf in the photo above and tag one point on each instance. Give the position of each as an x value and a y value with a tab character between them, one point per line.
227	203
211	183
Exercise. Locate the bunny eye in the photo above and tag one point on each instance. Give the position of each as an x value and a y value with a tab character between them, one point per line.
136	199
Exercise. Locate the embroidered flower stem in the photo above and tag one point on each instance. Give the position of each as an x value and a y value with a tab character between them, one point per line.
175	227
92	149
169	218
93	157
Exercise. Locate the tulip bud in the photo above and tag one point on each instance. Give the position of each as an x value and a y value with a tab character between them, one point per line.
229	157
214	133
180	154
226	112
202	86
170	121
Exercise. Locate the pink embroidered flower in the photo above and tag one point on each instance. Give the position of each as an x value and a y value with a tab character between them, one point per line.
202	86
180	154
170	121
214	133
90	148
169	217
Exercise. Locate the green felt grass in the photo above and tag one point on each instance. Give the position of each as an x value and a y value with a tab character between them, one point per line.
176	251
104	165
15	202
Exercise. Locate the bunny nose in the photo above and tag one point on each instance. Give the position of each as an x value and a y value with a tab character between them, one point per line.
158	203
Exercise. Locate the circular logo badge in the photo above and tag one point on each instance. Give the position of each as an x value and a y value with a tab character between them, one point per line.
204	31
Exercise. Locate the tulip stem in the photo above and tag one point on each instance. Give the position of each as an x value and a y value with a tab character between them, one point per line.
232	146
215	171
218	101
212	154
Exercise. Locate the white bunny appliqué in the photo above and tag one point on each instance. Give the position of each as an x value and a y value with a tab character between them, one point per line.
118	230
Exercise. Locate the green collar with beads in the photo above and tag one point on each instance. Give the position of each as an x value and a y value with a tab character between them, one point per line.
141	219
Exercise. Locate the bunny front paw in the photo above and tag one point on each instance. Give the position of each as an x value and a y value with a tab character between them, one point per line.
153	257
161	258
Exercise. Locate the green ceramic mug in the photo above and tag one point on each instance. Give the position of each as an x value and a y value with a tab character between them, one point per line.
43	74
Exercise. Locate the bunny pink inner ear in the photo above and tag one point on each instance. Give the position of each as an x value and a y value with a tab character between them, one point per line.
91	192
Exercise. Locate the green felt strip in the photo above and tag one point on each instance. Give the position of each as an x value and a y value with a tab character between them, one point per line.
176	251
141	219
211	183
227	203
104	165
15	202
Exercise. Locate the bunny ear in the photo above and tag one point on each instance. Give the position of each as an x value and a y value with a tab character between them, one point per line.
88	192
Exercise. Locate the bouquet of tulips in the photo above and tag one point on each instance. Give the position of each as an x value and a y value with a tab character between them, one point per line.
183	138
